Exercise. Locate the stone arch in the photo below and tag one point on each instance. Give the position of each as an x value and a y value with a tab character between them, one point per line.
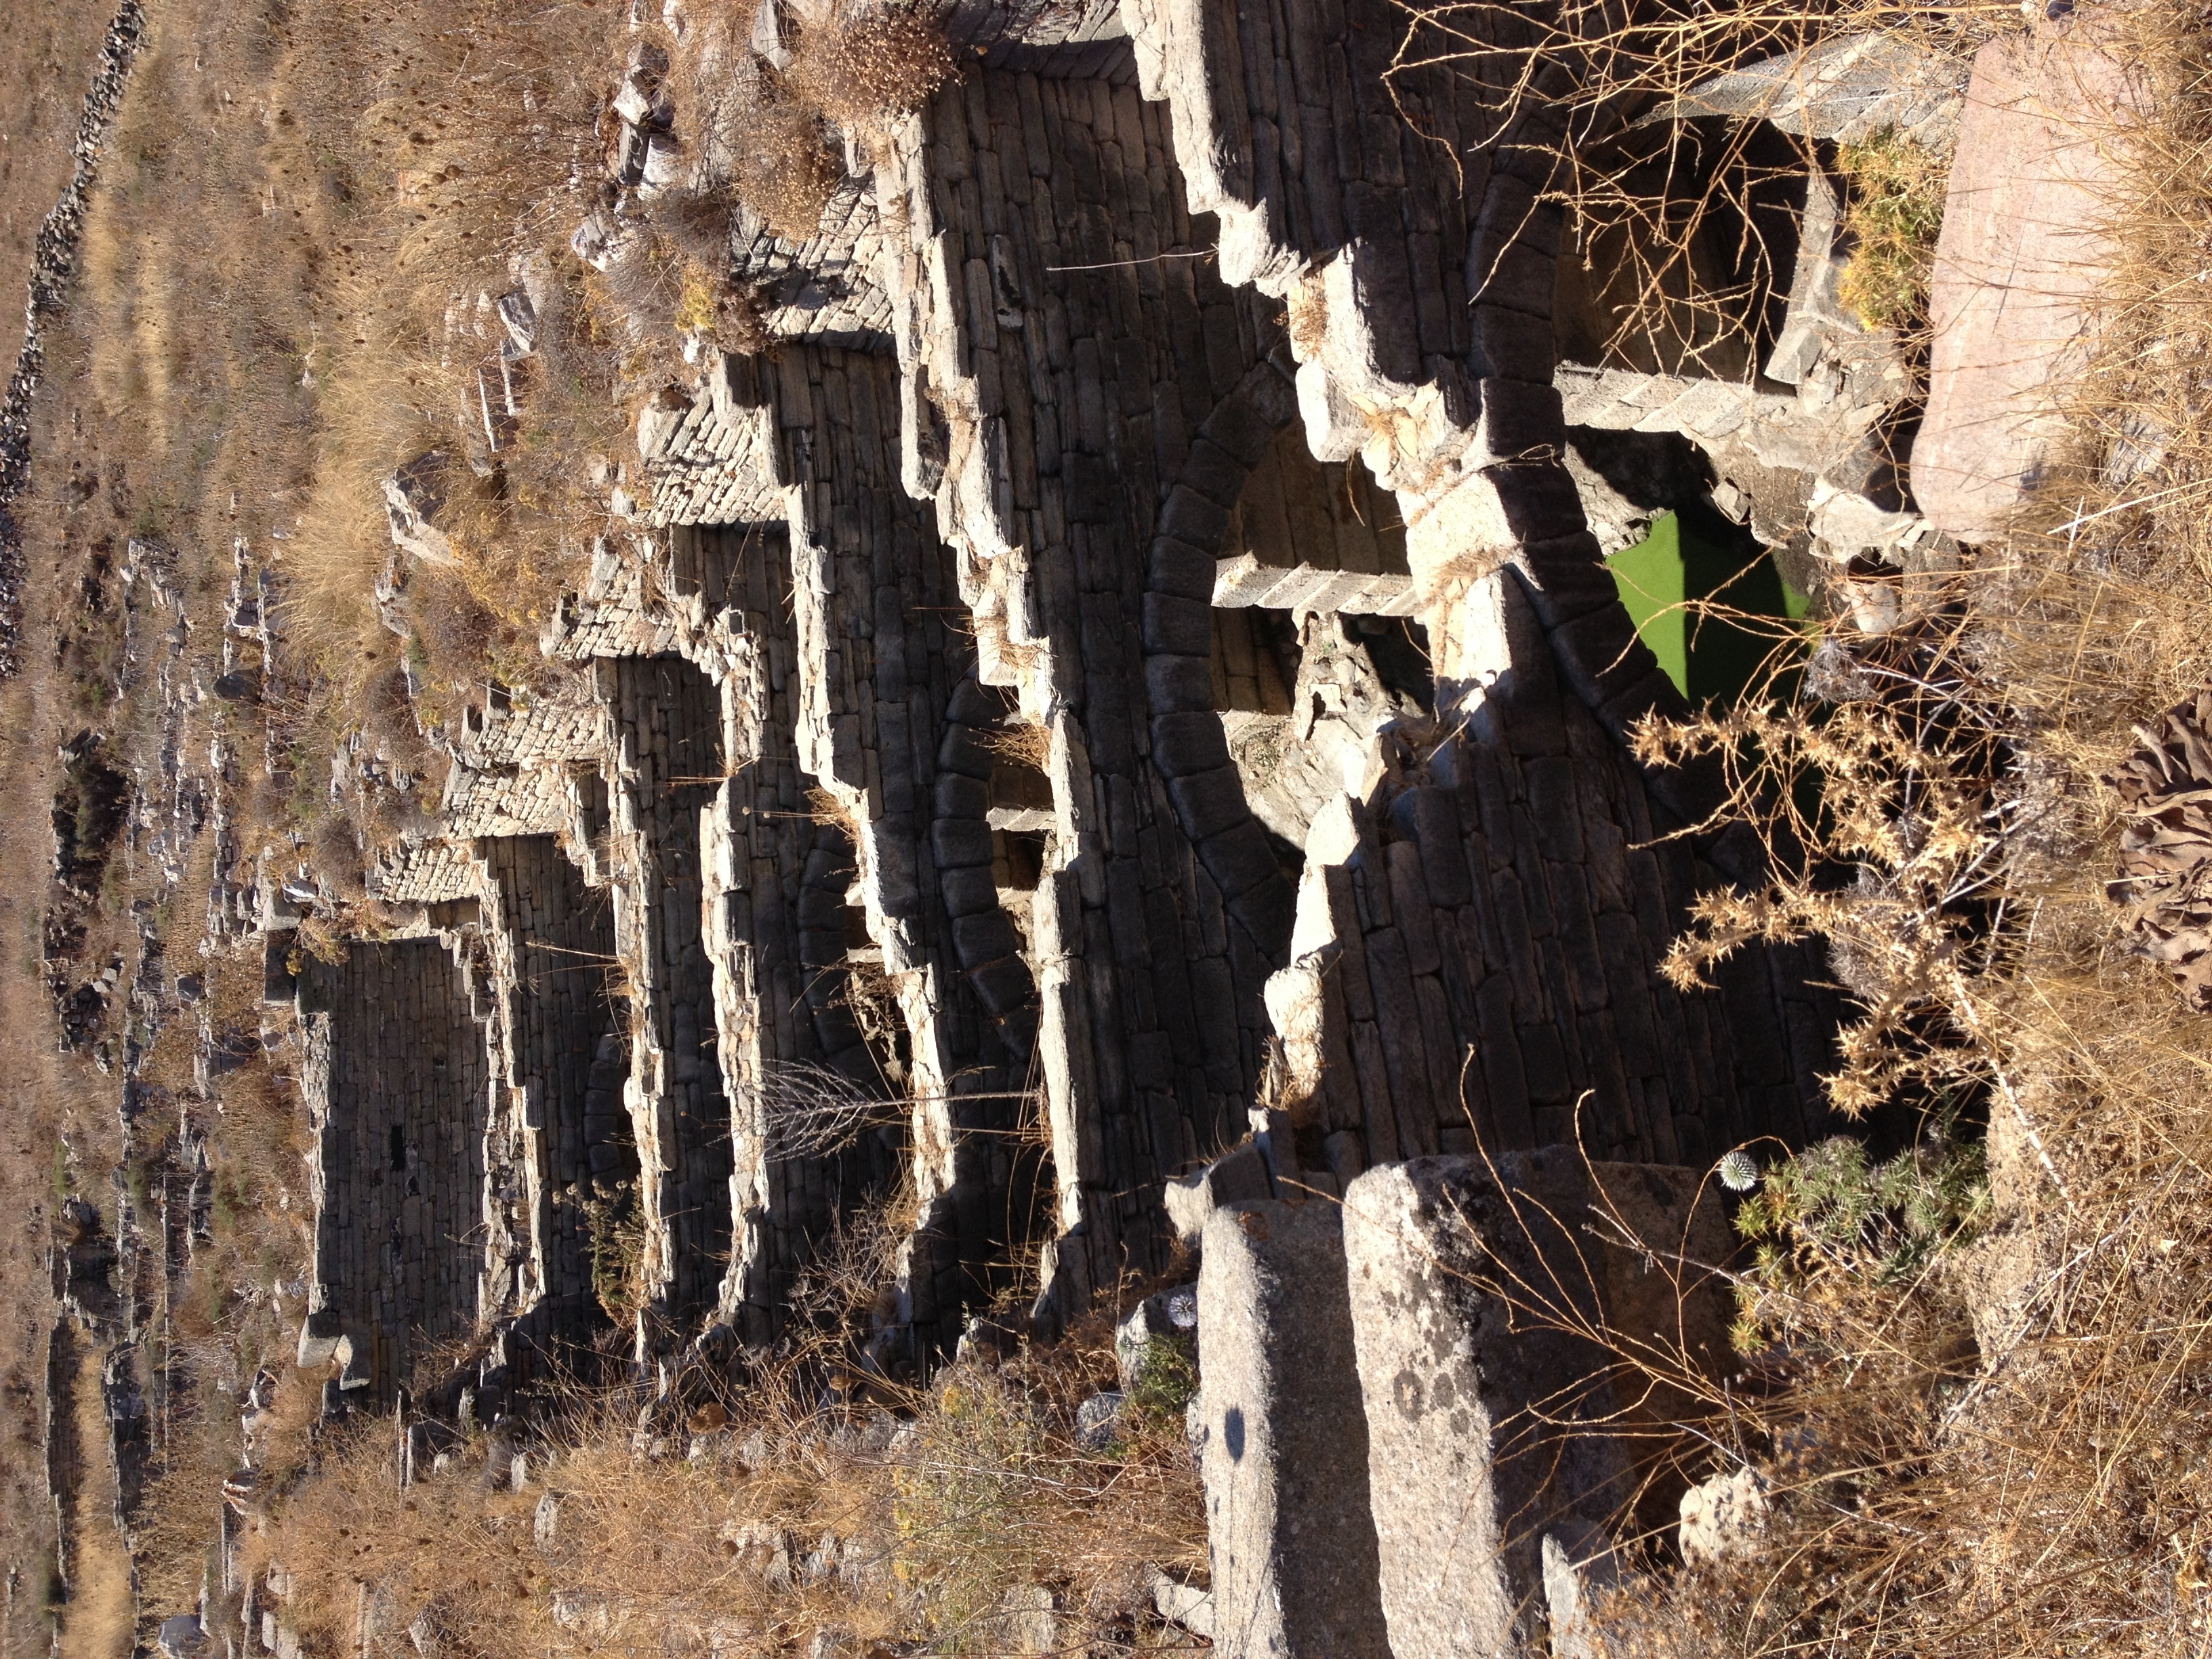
986	943
1190	746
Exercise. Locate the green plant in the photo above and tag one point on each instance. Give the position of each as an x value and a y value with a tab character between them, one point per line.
1895	211
1832	1212
981	1459
1164	1381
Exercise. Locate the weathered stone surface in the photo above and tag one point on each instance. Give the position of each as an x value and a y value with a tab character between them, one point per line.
1469	1288
1285	1455
411	496
1723	1516
2020	252
1847	89
1236	1177
1184	1604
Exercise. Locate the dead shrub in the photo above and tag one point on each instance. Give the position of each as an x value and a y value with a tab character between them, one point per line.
1975	1436
862	70
1020	743
1674	215
782	165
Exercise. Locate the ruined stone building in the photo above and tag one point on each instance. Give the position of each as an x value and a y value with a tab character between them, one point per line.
1129	665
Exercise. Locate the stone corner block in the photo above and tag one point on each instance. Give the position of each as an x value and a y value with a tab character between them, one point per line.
1284	1448
1495	1419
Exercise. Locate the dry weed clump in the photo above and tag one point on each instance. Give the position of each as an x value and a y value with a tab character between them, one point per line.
782	164
860	70
1020	743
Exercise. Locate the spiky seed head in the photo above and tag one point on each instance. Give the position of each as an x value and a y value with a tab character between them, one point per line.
1739	1172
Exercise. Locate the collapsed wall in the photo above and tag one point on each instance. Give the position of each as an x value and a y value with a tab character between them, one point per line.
1128	664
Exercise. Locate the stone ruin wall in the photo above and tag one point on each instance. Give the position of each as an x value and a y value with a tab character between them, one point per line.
956	666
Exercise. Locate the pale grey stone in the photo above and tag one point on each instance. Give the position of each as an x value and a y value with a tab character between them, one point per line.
1232	1178
1285	1458
1028	1621
1184	1604
1470	1285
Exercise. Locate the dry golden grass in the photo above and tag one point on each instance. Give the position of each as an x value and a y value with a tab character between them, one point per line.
2000	1452
98	1622
983	1487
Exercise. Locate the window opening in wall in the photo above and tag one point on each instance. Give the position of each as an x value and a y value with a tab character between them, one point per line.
399	1148
1309	536
1713	604
857	937
1685	261
1018	859
1255	660
1020	794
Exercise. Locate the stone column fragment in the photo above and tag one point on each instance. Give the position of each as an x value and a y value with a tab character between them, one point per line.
1284	1452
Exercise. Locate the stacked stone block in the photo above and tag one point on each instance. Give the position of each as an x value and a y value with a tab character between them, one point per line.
665	722
400	1103
1479	965
1062	358
561	1062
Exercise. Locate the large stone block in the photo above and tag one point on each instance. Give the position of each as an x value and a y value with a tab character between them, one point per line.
1284	1455
1495	1419
2033	185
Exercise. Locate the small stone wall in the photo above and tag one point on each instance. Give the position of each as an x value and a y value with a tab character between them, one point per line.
398	1081
666	727
562	1062
1477	953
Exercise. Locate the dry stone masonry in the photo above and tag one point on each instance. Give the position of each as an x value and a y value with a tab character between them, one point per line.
1130	655
1130	668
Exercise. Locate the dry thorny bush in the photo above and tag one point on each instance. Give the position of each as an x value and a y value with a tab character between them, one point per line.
1977	1415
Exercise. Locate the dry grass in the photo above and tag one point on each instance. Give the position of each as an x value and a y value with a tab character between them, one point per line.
861	68
1986	1436
789	1515
783	166
98	1621
1020	742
